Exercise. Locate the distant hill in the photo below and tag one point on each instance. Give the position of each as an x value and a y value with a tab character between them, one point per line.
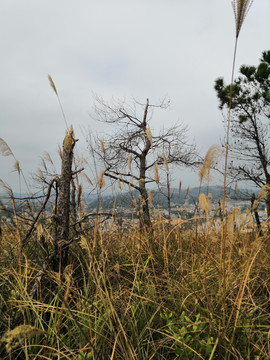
125	200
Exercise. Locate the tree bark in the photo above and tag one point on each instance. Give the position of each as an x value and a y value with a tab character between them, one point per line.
63	211
256	214
145	221
268	197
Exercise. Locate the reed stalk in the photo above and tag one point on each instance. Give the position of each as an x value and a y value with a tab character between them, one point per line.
240	9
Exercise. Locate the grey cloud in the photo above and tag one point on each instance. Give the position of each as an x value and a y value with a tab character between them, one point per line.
120	48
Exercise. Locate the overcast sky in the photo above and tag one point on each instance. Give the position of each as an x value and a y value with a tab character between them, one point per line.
116	48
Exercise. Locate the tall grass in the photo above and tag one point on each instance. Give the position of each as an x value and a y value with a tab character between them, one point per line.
240	9
126	296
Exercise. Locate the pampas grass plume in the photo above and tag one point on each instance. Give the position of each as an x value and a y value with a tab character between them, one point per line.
156	176
102	146
150	197
86	177
5	149
101	180
211	157
240	9
149	135
264	191
15	337
52	84
47	157
204	203
17	166
165	162
129	162
60	152
119	184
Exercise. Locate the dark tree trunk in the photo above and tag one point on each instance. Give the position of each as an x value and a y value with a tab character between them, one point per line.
256	214
268	200
145	220
63	211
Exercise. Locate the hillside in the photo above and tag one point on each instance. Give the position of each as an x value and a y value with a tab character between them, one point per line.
124	200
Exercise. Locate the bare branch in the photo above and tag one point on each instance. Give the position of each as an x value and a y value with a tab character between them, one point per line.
40	211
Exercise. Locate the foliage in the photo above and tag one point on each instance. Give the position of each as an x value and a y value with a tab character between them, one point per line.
250	108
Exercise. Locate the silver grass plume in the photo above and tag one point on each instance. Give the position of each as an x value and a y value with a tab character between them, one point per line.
240	9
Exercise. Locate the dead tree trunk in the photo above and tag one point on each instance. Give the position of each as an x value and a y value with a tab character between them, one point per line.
256	214
268	204
145	220
61	246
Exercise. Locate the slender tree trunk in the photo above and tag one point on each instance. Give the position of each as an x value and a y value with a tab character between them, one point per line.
73	202
145	220
256	214
63	211
268	199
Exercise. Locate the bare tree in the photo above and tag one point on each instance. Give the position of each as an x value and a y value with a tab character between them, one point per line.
132	153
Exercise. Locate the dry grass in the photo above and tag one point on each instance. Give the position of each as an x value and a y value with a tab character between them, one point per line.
240	9
127	295
180	292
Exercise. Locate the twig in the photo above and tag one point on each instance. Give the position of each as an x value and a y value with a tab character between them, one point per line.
40	211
